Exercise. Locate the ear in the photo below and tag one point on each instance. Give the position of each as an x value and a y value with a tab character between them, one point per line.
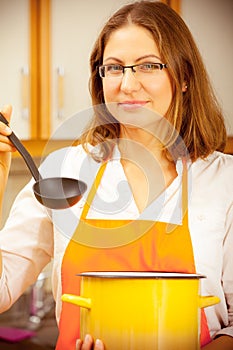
184	86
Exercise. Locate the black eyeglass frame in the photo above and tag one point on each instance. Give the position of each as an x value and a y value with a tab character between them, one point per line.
161	66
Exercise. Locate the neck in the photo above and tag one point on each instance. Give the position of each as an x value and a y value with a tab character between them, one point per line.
135	142
145	164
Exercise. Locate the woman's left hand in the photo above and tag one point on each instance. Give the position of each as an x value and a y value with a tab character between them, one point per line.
88	344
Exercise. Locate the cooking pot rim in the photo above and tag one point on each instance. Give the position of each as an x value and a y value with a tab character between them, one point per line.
140	274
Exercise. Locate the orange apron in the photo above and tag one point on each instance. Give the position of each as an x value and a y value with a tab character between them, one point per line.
155	249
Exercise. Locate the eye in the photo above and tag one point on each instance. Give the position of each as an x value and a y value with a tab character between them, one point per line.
113	69
149	67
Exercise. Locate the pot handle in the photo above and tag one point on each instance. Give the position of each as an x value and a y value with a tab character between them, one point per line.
204	301
77	300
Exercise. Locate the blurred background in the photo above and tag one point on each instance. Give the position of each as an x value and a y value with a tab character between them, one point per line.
44	70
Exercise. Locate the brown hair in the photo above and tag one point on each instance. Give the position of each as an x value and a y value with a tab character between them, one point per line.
195	114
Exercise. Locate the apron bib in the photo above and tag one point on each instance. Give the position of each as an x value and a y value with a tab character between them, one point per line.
122	245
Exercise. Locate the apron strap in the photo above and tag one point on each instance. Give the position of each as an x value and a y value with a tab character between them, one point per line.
92	191
184	191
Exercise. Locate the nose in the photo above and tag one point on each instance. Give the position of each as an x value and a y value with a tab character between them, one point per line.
129	82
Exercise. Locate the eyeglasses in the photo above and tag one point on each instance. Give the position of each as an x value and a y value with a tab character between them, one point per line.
142	70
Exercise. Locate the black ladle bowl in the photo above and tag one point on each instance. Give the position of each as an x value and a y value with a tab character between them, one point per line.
52	192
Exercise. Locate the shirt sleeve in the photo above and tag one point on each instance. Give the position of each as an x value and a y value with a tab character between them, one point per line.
27	240
26	244
227	277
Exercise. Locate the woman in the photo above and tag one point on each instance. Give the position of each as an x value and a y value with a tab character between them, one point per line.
156	121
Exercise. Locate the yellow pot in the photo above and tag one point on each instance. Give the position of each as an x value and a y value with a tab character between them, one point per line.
141	310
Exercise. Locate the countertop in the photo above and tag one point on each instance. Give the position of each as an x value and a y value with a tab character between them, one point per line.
46	331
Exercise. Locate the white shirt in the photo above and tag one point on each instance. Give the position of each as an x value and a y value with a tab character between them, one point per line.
33	234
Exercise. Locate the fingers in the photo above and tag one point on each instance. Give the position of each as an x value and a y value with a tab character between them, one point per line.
4	129
79	343
6	111
88	343
5	144
99	345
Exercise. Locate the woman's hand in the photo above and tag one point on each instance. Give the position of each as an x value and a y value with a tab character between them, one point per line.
5	144
89	344
5	151
5	159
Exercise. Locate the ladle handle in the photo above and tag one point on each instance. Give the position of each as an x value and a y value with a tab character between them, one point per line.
22	150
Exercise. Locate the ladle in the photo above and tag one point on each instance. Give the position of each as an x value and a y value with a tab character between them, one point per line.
53	192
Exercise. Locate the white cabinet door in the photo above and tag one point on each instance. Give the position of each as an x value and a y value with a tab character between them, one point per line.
211	22
75	26
14	62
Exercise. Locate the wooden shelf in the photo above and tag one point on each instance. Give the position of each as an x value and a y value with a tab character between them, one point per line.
41	148
229	146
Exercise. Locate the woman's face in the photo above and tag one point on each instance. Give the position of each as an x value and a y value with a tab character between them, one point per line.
132	92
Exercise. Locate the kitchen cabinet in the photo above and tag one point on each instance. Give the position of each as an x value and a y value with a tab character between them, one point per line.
14	62
74	28
24	65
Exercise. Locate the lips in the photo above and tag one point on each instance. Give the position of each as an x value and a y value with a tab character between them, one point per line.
131	105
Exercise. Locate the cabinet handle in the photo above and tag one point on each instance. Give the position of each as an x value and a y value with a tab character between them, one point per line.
25	92
60	82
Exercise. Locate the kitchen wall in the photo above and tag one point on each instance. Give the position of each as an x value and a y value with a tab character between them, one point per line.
211	22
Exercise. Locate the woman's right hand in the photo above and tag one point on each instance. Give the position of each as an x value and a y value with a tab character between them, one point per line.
89	344
5	150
